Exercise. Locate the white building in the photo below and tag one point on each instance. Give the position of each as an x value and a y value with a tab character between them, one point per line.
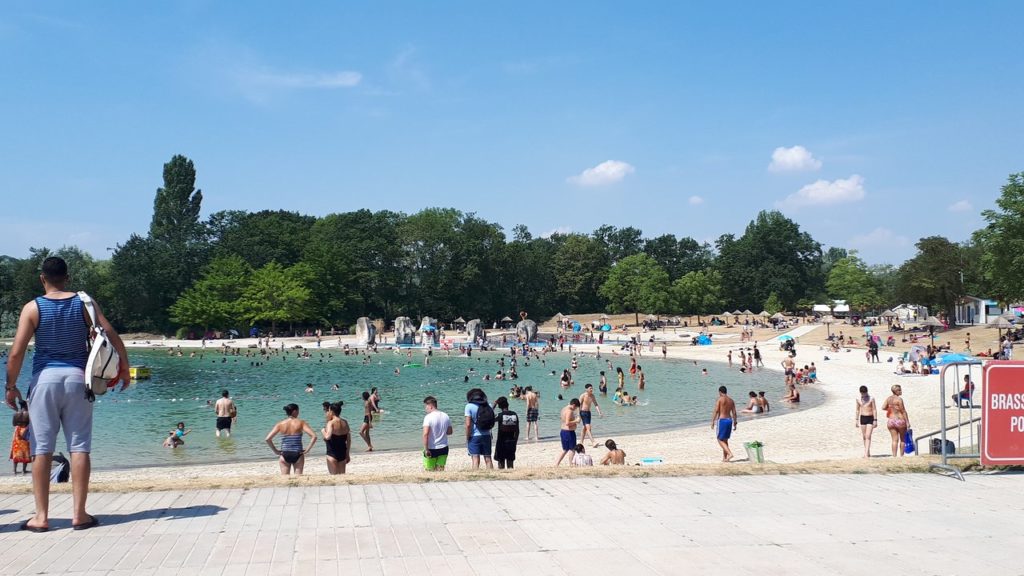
973	310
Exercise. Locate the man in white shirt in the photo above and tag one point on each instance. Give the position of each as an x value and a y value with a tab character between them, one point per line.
436	428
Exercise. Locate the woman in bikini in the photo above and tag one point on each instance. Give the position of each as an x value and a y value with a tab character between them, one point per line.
291	454
866	418
338	438
621	377
632	368
897	420
368	411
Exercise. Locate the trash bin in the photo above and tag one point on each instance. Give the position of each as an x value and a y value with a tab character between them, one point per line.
755	452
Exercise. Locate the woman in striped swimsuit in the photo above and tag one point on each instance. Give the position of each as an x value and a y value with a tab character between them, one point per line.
291	454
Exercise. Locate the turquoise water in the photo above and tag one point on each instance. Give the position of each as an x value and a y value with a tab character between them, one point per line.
130	426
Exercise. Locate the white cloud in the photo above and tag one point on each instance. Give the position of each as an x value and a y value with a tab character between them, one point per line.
696	200
961	206
607	172
561	230
882	237
823	192
795	159
294	80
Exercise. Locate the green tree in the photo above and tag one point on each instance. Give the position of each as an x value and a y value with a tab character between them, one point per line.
177	203
213	301
579	268
262	237
619	242
1002	243
773	304
932	276
678	256
849	279
277	294
773	255
636	283
699	292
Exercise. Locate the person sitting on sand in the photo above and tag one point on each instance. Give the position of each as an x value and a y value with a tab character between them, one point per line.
615	455
581	458
753	407
793	397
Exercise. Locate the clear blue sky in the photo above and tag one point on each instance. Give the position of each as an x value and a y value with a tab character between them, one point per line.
558	115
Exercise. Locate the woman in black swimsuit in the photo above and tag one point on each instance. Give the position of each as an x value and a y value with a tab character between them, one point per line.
338	438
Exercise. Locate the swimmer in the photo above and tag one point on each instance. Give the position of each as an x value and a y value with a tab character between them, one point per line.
703	371
309	388
753	407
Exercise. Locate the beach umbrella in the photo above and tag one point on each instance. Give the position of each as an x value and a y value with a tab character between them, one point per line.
747	312
1000	323
778	316
1009	315
765	314
828	320
726	313
559	316
932	322
956	357
652	317
460	320
737	312
888	314
603	317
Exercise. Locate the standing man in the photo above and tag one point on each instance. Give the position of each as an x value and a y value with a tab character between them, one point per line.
478	433
226	412
436	428
757	356
57	396
508	435
532	413
725	416
587	399
570	419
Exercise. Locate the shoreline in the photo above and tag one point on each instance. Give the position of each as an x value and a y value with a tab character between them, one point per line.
818	438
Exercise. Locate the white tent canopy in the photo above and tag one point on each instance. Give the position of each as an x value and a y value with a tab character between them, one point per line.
821	308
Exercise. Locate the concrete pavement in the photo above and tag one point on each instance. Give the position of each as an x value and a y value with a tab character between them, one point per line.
802	524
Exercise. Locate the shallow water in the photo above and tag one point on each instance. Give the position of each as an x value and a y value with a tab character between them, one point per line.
130	426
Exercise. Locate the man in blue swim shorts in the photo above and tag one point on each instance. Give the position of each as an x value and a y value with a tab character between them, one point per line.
725	417
570	418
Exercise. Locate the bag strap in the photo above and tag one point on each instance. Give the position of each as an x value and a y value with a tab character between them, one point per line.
90	309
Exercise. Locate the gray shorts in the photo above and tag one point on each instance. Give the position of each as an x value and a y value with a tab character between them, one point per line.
56	399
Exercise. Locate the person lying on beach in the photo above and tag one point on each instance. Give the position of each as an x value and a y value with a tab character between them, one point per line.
614	456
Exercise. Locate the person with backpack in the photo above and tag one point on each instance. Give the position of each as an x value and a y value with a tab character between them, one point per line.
58	397
480	420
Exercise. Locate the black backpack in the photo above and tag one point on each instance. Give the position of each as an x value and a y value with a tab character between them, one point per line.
484	416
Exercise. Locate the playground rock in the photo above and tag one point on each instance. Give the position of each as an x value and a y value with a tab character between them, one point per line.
405	332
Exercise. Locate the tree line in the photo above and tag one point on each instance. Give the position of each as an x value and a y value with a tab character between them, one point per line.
237	269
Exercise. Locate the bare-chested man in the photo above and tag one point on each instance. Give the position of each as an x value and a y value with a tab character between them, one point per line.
532	413
588	400
789	366
725	416
570	419
226	413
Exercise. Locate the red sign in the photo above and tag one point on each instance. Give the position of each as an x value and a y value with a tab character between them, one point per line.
1002	414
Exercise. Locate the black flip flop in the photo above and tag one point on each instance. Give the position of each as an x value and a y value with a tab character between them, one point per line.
36	529
90	523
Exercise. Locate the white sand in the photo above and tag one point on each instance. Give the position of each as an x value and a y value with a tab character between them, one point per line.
826	432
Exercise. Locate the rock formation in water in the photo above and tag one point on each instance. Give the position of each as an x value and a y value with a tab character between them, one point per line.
428	331
526	331
474	330
366	332
405	332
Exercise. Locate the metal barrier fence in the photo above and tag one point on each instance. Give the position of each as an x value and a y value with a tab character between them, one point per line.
968	438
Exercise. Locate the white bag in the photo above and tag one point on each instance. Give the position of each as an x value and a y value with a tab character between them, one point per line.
104	360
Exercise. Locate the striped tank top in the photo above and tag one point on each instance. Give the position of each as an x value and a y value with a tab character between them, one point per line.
61	337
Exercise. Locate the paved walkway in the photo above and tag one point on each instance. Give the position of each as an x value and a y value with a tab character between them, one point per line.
857	524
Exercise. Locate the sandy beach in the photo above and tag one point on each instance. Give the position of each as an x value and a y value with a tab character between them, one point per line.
818	439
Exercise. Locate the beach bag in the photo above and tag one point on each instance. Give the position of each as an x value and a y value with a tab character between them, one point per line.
61	470
908	442
484	417
104	360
